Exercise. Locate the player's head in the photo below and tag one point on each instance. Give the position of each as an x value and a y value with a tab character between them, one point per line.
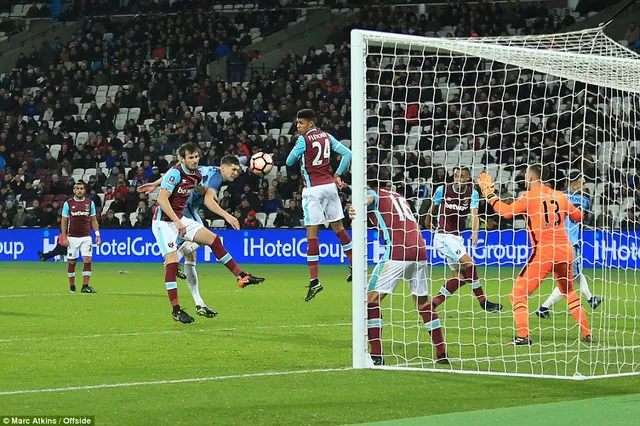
534	175
188	154
461	176
575	181
378	177
305	120
79	189
230	167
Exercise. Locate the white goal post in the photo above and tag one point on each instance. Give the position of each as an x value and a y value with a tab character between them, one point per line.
570	102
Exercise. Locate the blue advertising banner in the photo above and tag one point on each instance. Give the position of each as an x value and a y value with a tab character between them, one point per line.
506	248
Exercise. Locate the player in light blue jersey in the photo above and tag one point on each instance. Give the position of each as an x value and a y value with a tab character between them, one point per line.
212	178
577	197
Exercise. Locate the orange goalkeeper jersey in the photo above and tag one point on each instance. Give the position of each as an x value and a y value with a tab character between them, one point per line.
545	210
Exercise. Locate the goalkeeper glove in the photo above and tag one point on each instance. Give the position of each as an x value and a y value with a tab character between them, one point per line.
486	185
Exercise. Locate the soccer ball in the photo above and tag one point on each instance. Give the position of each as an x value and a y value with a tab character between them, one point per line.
261	163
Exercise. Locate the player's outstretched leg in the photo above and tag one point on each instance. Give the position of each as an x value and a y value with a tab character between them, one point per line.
470	274
71	273
432	325
528	281
192	281
204	236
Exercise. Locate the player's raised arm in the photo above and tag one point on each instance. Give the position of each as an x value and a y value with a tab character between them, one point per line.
437	200
64	224
574	213
505	210
211	203
475	219
296	152
169	182
94	223
150	186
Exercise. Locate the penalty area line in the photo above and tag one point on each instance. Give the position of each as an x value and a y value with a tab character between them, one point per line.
172	382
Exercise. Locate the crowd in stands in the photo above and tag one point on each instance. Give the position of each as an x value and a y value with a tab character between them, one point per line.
111	105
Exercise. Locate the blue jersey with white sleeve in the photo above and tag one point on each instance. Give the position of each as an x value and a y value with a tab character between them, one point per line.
211	178
583	203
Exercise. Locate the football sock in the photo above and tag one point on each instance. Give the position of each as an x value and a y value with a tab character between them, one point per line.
554	297
450	287
471	276
71	273
86	273
192	282
374	327
170	282
223	256
578	313
584	286
432	325
520	309
313	255
345	240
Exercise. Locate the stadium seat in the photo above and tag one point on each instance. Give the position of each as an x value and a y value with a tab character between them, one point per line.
120	216
218	223
262	217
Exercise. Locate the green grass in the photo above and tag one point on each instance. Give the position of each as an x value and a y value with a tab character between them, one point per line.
51	339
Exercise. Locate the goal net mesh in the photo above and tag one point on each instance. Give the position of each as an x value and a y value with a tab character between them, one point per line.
566	101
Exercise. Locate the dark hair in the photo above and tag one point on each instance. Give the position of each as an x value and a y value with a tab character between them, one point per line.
463	169
377	176
574	176
307	114
187	148
230	160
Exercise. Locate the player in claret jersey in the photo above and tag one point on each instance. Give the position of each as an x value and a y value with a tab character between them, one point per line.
546	210
405	258
170	223
320	200
212	178
452	204
78	217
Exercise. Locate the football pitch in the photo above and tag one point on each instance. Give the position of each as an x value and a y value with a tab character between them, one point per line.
270	358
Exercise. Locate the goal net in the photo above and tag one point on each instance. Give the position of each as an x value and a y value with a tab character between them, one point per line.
425	107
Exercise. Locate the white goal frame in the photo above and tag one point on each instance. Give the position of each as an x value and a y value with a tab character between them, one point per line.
569	64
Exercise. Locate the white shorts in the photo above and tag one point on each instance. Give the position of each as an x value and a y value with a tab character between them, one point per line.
451	247
79	245
386	274
321	204
166	233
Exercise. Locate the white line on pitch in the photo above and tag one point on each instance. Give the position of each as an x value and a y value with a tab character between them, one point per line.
171	382
183	331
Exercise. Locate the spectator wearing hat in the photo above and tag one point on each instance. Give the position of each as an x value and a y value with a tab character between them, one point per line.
252	222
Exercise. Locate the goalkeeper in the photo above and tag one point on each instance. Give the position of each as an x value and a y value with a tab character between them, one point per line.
546	210
576	197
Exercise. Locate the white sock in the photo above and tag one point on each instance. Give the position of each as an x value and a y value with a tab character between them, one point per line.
554	298
584	286
192	282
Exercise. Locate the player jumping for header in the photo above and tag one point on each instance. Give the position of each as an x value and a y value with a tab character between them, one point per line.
546	210
78	217
452	203
581	201
405	258
169	224
212	178
320	200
